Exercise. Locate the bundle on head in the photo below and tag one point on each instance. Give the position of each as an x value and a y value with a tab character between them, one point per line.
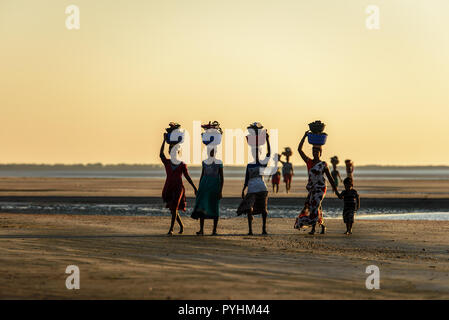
255	126
256	136
317	127
212	125
172	126
287	152
212	133
334	160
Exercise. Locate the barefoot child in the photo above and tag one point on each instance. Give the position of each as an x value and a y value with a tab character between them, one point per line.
351	204
255	201
173	193
211	184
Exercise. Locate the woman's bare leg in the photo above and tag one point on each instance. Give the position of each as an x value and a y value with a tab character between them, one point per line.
323	228
181	226
214	231
174	214
313	229
250	224
201	232
264	223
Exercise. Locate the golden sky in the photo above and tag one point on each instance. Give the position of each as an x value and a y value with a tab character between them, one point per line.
106	92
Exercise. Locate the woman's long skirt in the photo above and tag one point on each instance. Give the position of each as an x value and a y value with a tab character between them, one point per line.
207	203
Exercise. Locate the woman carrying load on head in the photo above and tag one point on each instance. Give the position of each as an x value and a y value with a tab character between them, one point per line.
335	173
255	200
211	181
316	187
173	193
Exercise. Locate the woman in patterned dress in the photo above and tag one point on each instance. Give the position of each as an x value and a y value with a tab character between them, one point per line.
174	194
316	187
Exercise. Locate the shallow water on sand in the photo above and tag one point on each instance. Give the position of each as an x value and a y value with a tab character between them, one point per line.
226	211
440	216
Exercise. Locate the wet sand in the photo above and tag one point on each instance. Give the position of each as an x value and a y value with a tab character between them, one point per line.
378	195
151	187
132	258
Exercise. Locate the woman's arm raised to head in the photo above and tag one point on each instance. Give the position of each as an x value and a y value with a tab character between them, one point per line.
301	144
161	153
268	146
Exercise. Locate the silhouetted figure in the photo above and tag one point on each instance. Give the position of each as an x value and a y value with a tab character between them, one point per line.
351	204
316	187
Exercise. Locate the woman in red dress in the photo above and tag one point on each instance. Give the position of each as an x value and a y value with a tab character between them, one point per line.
174	194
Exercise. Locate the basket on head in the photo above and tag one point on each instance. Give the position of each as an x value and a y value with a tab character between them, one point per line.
317	127
334	160
317	139
257	135
212	133
169	137
287	152
317	136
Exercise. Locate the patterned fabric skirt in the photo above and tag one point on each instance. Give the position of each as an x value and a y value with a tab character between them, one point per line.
314	214
254	203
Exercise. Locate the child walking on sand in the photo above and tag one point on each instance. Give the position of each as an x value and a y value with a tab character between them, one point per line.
255	201
211	183
351	204
173	193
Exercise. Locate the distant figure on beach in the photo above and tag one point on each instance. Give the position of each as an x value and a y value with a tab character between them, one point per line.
255	201
287	169
316	187
351	204
275	180
210	190
349	168
335	173
173	193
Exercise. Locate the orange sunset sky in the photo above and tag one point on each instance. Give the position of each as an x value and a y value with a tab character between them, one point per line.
105	92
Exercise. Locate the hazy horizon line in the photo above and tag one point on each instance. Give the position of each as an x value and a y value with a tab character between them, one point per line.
154	165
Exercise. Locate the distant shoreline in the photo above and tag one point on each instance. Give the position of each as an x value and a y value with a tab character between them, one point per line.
99	166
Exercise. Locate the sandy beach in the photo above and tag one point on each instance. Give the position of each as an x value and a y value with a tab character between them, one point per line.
151	187
132	258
